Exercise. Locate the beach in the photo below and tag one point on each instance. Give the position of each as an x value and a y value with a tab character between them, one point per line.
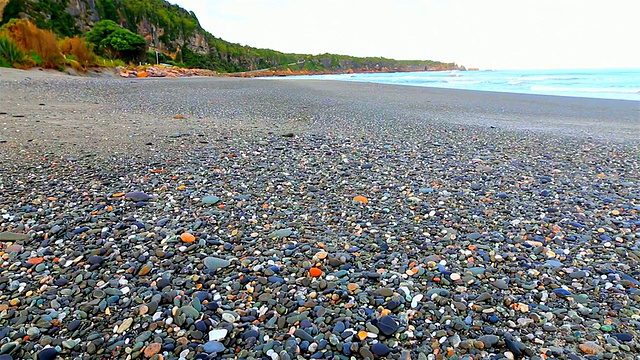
272	218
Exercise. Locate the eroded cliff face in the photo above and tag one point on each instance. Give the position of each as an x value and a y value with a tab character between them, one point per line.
153	34
84	11
85	14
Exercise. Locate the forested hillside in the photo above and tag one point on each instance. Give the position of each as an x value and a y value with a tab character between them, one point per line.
180	39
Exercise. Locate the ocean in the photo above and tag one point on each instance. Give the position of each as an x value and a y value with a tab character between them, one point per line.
590	83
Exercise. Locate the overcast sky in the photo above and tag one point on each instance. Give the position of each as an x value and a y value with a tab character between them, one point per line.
490	34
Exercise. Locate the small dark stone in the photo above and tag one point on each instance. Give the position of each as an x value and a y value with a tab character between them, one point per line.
95	259
48	354
380	349
623	337
387	325
73	325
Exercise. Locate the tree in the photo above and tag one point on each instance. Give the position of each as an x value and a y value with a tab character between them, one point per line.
114	41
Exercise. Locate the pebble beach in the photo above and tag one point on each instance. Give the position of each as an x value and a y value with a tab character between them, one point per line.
224	218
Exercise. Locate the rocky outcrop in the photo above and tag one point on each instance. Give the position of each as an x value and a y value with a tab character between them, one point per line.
85	13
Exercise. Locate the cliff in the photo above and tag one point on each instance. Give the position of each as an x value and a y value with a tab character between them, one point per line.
176	34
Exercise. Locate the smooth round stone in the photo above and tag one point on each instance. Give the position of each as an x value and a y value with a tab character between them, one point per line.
48	354
95	259
280	233
210	200
501	284
380	349
137	196
554	263
489	340
213	347
563	293
250	334
623	337
387	325
214	263
217	334
190	311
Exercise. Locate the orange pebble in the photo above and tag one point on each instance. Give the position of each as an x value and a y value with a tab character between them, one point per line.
361	199
144	270
362	335
188	238
315	272
35	261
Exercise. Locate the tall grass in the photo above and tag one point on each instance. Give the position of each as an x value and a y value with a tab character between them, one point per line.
77	49
30	38
10	52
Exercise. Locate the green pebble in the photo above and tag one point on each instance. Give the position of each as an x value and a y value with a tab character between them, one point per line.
606	328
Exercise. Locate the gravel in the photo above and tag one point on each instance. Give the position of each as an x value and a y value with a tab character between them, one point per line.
290	219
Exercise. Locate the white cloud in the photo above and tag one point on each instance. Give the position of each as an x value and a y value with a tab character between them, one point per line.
488	34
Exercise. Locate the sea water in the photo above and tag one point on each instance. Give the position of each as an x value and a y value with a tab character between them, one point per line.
593	83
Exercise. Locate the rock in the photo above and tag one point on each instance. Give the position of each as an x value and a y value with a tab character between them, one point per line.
124	326
152	349
217	334
303	335
500	284
213	263
623	337
281	233
48	354
212	347
387	325
380	349
210	200
137	196
591	348
11	236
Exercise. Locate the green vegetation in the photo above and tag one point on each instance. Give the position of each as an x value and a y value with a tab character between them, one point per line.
45	14
24	45
177	33
113	41
10	53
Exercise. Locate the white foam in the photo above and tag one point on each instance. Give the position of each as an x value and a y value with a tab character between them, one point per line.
583	89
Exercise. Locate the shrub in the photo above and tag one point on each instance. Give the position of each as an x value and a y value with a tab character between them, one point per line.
112	40
4	63
77	48
37	60
10	52
30	38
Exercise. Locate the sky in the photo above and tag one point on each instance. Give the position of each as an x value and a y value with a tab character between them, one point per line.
488	34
